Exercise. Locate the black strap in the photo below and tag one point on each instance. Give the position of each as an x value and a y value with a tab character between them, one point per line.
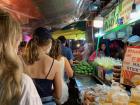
50	68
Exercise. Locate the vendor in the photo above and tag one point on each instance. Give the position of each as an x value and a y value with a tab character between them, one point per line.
101	52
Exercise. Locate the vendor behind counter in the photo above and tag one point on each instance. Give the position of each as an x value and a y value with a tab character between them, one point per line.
101	52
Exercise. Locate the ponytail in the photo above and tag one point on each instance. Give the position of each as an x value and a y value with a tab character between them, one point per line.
56	49
31	53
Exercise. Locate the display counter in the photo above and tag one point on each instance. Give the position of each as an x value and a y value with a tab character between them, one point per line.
84	81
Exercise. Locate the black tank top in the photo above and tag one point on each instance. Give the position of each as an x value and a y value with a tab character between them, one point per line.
44	86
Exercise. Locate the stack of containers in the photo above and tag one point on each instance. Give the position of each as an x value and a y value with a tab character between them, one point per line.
116	73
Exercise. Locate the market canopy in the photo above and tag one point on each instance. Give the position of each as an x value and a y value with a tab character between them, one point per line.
70	34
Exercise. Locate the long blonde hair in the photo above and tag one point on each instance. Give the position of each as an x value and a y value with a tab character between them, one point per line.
10	65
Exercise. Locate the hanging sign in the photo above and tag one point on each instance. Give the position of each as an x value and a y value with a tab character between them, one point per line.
130	74
118	16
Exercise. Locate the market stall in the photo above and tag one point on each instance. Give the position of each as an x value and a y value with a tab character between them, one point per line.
119	79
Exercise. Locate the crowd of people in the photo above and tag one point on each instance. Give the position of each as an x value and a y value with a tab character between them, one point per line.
37	72
32	73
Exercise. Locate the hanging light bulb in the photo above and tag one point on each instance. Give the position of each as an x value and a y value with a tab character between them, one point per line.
98	22
78	45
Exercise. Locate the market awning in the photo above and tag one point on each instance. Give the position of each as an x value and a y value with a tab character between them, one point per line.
70	34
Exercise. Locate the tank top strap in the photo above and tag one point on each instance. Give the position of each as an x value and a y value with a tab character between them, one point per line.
63	59
50	69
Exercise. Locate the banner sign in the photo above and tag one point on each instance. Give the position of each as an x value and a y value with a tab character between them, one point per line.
130	74
118	16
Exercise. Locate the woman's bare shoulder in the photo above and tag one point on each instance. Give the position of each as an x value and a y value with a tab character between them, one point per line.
56	64
48	60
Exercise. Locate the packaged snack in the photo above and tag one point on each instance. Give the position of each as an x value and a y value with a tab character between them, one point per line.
88	96
120	98
115	87
135	95
136	80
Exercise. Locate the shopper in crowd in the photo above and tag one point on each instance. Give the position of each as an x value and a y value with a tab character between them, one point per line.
65	67
66	51
85	52
16	88
101	52
117	49
44	70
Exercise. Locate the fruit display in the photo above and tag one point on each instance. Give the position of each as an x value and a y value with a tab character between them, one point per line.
94	67
107	62
83	68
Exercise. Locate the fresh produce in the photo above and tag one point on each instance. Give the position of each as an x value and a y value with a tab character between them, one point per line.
83	68
94	66
107	62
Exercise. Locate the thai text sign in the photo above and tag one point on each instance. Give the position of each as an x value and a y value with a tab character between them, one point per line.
131	67
119	15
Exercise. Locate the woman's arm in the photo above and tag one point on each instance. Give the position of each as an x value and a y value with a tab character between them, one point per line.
57	82
68	68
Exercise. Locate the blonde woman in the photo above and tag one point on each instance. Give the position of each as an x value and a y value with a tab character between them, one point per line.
44	70
65	68
16	88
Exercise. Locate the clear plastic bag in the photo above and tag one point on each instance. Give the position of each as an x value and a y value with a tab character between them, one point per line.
88	96
120	98
92	95
135	95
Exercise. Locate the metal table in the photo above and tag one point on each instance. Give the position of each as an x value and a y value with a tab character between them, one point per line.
84	81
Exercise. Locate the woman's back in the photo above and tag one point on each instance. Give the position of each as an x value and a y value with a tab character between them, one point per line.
43	73
41	68
41	76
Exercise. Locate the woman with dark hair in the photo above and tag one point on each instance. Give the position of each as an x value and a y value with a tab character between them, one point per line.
101	52
66	51
16	88
44	70
65	67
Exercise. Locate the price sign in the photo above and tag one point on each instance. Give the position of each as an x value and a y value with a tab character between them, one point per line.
130	74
